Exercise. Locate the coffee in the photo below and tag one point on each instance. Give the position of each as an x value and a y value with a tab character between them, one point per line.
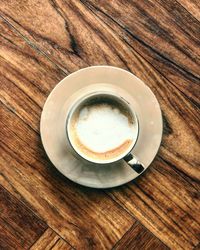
102	129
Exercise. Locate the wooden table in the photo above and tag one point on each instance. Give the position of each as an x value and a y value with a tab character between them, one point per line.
43	41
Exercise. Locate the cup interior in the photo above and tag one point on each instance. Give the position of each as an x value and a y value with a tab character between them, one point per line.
97	106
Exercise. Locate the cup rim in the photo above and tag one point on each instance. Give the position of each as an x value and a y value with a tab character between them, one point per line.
75	105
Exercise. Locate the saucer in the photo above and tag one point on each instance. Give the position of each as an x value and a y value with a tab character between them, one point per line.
52	125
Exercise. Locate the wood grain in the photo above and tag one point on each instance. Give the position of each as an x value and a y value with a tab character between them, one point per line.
70	210
61	245
73	212
153	29
165	203
192	6
155	41
19	227
50	240
138	238
47	240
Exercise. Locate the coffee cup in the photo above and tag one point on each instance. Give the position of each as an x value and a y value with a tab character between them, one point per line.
102	128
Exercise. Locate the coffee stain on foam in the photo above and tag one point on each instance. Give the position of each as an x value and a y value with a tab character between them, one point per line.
83	149
107	155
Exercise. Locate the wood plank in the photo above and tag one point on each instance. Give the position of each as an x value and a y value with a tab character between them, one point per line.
165	204
72	211
47	240
28	68
59	45
162	40
192	6
61	245
149	34
50	240
19	227
69	209
138	238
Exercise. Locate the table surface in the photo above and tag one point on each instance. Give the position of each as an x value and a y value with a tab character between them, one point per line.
43	41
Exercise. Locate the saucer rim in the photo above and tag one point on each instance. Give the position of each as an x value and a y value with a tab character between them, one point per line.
93	68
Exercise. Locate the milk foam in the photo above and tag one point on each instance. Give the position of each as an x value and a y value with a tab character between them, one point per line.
102	128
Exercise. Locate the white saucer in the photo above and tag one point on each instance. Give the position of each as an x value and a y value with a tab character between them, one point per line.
53	134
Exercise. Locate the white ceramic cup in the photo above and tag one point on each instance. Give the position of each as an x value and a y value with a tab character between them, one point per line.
126	155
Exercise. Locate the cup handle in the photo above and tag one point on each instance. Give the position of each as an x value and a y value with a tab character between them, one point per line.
133	162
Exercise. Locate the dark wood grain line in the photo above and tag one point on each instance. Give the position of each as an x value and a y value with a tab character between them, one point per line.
138	238
27	82
193	212
32	44
193	185
192	181
56	211
10	21
152	25
7	39
38	238
184	73
50	240
153	22
16	193
171	41
183	89
54	244
194	78
21	226
31	105
143	57
39	88
15	46
57	206
186	234
149	207
16	87
191	6
20	137
180	213
181	15
14	112
157	27
92	8
10	188
183	4
73	43
61	245
22	90
42	91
